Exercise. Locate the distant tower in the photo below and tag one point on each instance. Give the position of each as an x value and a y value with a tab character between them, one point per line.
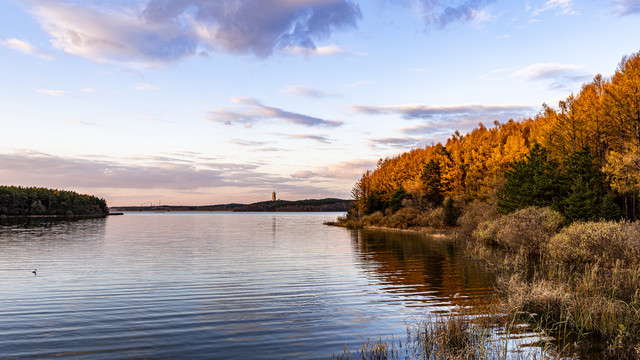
273	196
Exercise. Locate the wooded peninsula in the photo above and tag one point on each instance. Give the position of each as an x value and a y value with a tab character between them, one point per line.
17	201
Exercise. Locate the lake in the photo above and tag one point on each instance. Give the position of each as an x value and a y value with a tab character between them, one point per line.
218	285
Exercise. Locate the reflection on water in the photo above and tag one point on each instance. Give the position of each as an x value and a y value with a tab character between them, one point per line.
217	285
431	271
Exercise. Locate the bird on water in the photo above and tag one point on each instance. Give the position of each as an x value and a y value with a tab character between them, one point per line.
35	271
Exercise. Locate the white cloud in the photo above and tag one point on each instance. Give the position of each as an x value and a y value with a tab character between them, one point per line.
420	111
358	83
544	70
83	122
627	7
170	176
440	131
165	31
243	142
559	76
308	92
20	45
404	143
327	50
440	13
24	47
147	87
319	138
52	92
250	111
562	7
28	167
346	170
482	16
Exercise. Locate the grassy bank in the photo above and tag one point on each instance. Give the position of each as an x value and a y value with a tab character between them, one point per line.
579	282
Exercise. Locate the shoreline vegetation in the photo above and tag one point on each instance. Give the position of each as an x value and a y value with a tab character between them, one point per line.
549	203
577	284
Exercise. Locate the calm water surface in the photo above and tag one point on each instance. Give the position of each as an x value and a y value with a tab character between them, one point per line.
218	286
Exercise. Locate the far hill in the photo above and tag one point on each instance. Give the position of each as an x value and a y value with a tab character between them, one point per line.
320	205
298	206
166	208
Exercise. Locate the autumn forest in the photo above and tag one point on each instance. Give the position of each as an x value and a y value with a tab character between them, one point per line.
581	157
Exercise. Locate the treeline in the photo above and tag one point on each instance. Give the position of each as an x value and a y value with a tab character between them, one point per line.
588	147
311	205
30	201
167	208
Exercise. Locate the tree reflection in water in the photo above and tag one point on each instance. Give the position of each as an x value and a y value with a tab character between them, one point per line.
422	269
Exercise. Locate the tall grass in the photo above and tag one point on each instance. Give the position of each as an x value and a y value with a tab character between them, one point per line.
452	336
582	280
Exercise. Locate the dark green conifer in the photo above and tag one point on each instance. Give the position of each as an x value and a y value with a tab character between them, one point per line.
586	196
609	209
395	203
530	182
451	212
432	183
582	203
374	203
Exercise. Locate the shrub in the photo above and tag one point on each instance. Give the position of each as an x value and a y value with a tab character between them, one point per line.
526	230
404	218
432	218
487	232
375	219
632	229
476	213
582	243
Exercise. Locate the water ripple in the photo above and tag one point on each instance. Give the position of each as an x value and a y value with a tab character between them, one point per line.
217	285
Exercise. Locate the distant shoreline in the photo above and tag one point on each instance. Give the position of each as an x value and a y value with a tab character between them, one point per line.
309	205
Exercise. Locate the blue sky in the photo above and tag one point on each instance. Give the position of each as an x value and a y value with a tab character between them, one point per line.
215	101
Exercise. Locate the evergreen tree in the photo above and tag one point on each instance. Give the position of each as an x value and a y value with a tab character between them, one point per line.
582	203
585	189
395	203
530	182
374	203
432	179
609	209
451	212
581	165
